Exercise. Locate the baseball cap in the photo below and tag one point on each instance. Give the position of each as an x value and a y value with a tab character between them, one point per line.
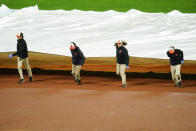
119	41
21	35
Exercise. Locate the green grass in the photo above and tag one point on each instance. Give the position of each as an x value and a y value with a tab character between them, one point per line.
186	6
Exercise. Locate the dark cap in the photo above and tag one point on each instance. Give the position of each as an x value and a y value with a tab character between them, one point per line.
21	34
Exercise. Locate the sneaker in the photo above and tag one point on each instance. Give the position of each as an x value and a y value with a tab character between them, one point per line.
124	86
79	82
21	81
179	84
30	79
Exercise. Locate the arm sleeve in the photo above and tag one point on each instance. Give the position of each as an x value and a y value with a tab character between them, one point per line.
181	55
81	56
83	60
168	54
125	52
23	48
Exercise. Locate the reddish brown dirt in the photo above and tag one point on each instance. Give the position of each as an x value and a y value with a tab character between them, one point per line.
56	103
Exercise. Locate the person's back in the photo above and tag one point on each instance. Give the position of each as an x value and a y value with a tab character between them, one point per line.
78	57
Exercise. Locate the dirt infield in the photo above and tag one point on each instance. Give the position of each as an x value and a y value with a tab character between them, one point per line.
56	103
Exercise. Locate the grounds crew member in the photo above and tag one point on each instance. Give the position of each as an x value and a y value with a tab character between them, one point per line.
122	57
176	59
22	57
78	60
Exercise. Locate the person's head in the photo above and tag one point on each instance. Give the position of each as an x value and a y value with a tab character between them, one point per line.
171	49
72	46
119	43
20	36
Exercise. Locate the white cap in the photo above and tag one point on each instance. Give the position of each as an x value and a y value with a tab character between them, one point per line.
119	41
